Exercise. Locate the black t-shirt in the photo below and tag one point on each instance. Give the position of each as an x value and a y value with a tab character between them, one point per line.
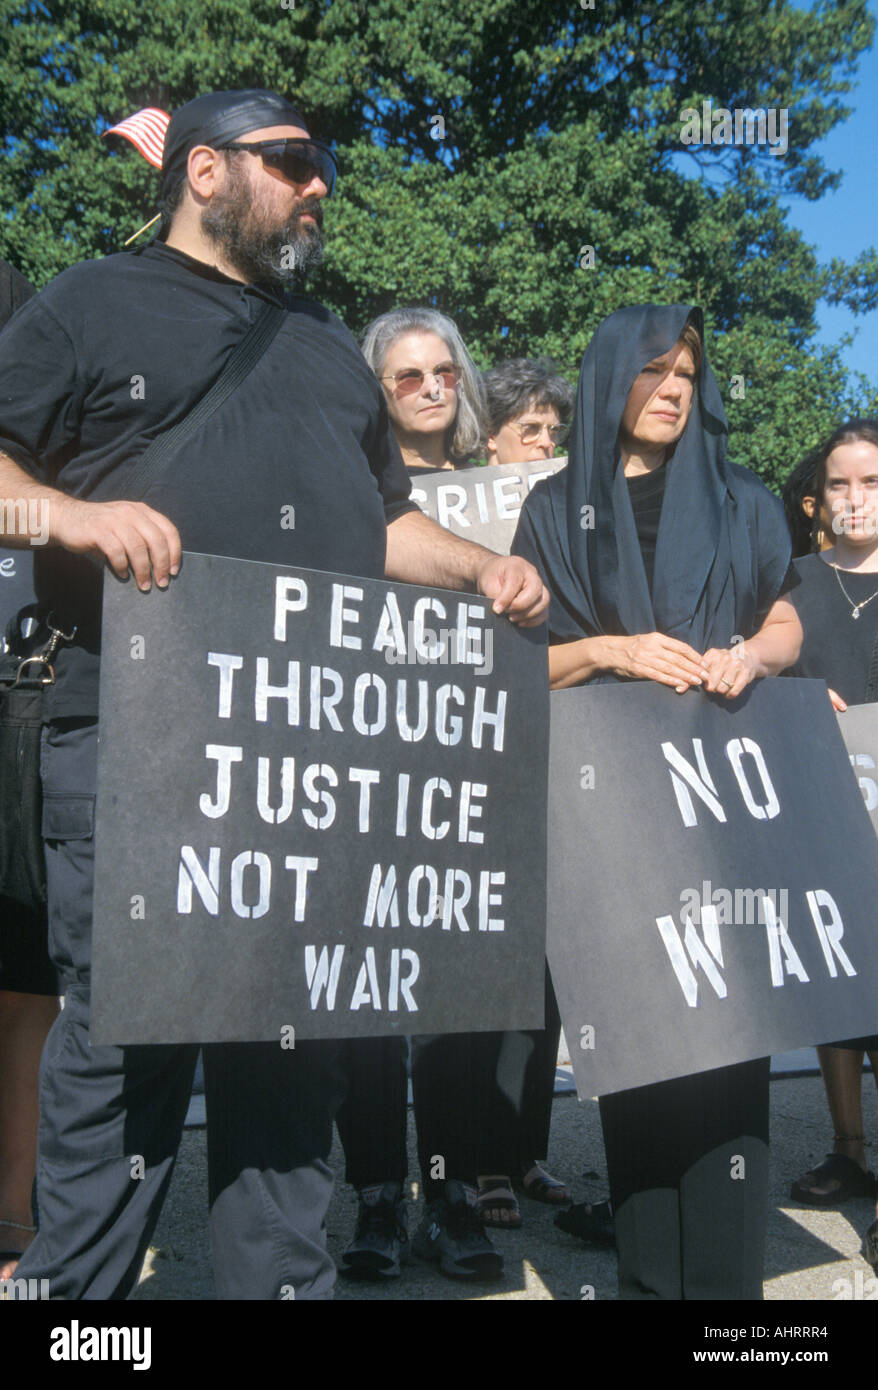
16	566
837	648
298	467
647	493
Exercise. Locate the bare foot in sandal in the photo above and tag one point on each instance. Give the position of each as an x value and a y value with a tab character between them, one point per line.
497	1202
542	1187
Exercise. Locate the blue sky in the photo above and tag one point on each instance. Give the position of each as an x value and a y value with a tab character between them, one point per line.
845	222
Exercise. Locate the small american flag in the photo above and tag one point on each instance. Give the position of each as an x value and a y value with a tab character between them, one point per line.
146	131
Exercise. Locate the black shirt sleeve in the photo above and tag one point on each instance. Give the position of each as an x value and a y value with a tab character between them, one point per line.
790	580
393	479
39	391
395	485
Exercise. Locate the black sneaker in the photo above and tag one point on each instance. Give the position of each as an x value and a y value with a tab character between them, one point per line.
592	1222
381	1241
452	1232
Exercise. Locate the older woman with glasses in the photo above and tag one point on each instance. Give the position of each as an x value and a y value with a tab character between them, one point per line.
529	409
435	396
436	404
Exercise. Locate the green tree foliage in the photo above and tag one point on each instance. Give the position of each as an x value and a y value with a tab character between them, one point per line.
558	191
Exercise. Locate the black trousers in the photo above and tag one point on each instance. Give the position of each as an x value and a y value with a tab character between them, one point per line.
372	1118
111	1118
447	1072
483	1103
515	1105
688	1168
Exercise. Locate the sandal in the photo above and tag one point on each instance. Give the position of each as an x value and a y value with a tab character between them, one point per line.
849	1178
544	1188
496	1196
592	1223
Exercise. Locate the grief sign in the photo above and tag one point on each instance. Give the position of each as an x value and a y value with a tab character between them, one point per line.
690	951
499	498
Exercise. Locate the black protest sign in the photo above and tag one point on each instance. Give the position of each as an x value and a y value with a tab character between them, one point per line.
859	729
321	810
481	504
712	879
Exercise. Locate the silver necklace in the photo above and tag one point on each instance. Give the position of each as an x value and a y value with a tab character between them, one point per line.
855	608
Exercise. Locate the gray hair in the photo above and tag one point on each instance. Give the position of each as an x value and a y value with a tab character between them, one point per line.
526	383
467	429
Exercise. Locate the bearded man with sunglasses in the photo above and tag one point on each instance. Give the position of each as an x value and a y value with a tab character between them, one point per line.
109	357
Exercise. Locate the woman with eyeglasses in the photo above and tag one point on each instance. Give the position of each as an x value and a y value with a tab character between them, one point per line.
436	403
529	409
435	397
689	553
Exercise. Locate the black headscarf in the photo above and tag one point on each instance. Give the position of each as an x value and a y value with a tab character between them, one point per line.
217	118
723	547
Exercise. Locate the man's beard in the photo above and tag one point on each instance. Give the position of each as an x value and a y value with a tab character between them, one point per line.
278	256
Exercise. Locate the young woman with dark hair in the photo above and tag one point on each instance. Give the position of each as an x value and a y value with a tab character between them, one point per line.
798	504
834	600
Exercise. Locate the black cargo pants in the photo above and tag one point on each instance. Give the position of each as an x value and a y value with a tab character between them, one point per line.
111	1118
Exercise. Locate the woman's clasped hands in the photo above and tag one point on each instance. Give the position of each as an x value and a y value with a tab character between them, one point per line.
655	656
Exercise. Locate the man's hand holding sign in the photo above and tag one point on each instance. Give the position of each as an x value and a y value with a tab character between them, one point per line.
421	552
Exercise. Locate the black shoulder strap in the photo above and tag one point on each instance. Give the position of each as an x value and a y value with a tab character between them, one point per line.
872	682
243	359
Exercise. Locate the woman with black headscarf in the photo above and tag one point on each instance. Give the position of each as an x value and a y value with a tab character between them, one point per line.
666	562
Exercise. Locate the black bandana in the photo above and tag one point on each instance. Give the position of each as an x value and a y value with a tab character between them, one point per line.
217	118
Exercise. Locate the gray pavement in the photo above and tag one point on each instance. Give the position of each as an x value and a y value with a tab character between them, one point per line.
812	1255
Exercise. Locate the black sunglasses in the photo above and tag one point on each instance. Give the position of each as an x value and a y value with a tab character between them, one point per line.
298	158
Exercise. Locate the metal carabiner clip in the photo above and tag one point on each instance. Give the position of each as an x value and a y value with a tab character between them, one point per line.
41	660
44	658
